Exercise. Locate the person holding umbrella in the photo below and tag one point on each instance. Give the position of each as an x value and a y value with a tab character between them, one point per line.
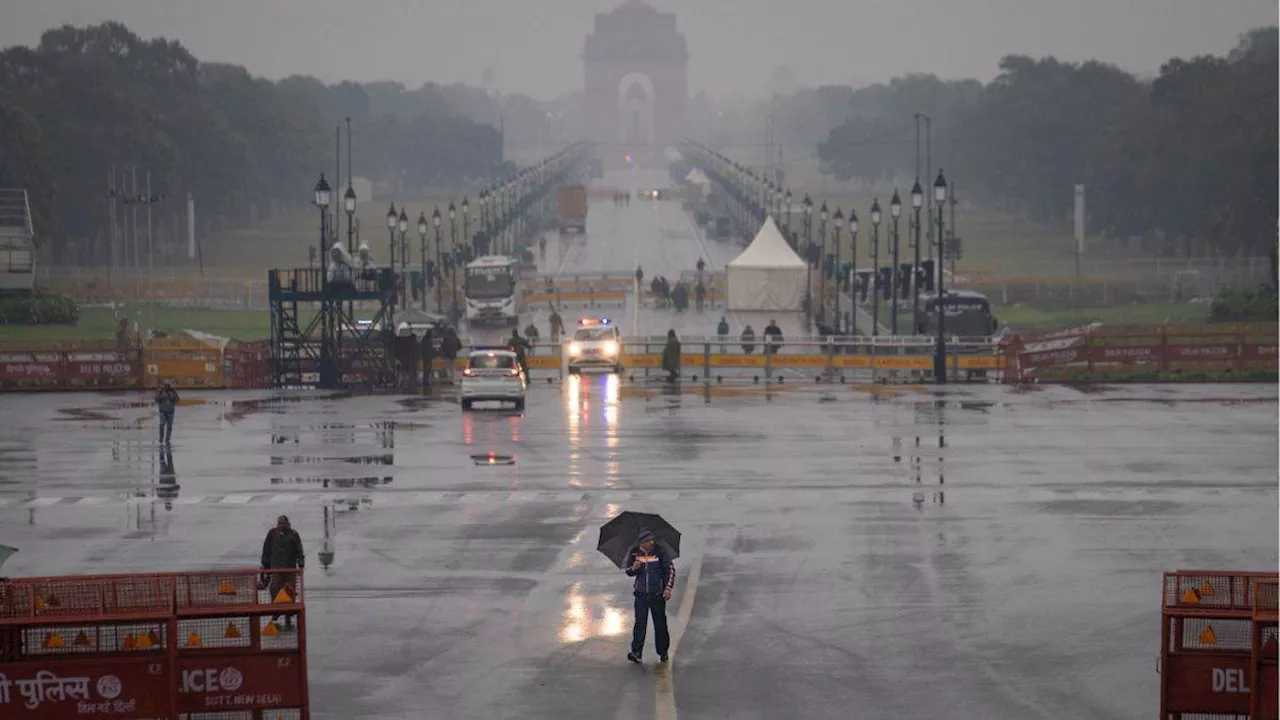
655	579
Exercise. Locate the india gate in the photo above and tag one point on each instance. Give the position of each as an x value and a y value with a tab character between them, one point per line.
637	84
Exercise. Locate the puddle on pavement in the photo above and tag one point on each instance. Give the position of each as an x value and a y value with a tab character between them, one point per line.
335	482
85	415
381	459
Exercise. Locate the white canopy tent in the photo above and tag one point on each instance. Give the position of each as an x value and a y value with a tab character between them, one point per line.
768	275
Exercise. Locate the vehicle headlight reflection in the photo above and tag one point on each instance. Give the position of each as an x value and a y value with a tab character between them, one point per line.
611	348
574	349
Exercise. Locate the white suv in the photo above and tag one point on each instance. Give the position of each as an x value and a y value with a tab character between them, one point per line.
493	375
596	344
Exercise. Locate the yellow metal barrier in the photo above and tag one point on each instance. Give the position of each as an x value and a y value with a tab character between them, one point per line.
189	365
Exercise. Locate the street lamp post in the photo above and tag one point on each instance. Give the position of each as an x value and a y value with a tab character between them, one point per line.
853	273
349	204
822	258
466	237
327	365
422	255
917	201
835	271
403	225
940	355
895	211
322	195
435	220
453	251
875	266
392	218
790	239
808	256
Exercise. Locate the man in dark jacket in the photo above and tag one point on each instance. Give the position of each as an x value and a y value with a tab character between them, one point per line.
520	347
166	402
428	356
671	356
655	573
772	338
282	550
450	344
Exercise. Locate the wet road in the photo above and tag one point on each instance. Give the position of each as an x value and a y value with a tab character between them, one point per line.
659	237
849	551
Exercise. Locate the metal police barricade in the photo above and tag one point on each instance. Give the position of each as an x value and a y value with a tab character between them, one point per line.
156	645
1218	645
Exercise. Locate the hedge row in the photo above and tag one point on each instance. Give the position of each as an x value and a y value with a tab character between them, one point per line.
39	309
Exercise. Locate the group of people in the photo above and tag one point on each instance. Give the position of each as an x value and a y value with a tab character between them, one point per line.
676	296
772	337
444	343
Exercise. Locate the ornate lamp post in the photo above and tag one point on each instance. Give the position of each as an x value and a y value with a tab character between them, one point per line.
853	273
435	220
875	266
392	219
422	256
917	201
403	225
822	258
835	271
895	210
467	243
940	354
453	250
349	204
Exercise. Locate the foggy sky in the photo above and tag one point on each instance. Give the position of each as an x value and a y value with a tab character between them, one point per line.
535	46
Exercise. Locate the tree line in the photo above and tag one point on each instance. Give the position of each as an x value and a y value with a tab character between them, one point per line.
86	100
1187	158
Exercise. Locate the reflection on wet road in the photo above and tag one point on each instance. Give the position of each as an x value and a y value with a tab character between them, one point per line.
850	541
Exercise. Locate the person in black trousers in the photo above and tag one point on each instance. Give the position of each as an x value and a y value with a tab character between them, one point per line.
655	579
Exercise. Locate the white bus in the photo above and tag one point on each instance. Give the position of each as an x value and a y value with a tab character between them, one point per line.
493	291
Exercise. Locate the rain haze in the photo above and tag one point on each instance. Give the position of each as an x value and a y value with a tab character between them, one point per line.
734	45
716	359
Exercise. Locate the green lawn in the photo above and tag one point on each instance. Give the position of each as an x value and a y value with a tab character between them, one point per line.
283	241
1022	317
97	323
995	243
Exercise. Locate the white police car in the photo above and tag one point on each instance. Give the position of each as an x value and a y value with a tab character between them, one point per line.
596	344
492	374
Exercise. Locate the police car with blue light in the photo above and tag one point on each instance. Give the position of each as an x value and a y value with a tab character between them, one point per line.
492	374
596	345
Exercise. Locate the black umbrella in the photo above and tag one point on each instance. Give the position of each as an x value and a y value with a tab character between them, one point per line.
619	535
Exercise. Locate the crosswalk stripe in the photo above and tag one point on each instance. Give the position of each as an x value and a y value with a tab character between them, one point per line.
396	499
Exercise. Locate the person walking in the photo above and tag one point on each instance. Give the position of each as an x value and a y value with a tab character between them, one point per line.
748	339
282	550
557	324
520	347
450	344
671	356
531	332
167	402
655	579
428	356
722	329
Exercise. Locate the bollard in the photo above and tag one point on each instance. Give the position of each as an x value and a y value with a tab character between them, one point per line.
706	360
